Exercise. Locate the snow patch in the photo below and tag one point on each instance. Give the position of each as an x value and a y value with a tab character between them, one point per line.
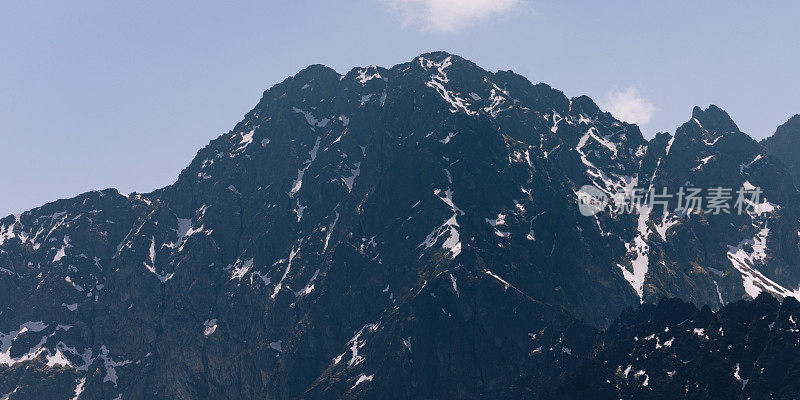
240	268
367	74
639	249
703	162
6	341
361	379
111	366
438	81
745	256
210	327
455	286
277	346
495	276
298	182
449	227
247	138
78	388
311	119
355	172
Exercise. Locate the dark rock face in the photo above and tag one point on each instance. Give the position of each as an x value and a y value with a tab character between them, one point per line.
784	145
746	350
409	232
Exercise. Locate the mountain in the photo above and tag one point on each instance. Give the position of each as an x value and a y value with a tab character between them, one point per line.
746	350
410	232
784	145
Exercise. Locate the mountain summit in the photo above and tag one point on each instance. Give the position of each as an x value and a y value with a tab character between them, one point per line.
410	232
784	145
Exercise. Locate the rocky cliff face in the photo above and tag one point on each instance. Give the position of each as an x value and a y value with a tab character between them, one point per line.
410	232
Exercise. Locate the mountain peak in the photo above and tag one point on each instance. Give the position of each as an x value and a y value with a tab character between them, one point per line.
714	118
584	104
790	127
314	69
438	56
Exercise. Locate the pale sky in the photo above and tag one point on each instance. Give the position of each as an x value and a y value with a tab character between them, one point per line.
98	94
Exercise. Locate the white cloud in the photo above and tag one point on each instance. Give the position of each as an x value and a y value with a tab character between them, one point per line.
629	106
451	15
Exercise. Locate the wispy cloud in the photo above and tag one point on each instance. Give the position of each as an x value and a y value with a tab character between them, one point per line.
629	106
451	15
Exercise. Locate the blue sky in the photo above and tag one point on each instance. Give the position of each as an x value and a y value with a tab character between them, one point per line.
98	94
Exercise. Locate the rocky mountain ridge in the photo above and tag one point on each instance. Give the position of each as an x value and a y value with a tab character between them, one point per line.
410	232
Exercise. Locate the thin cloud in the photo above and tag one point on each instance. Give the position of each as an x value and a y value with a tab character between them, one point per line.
451	15
629	106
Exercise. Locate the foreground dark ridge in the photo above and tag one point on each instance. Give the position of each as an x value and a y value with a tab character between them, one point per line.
746	350
409	232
